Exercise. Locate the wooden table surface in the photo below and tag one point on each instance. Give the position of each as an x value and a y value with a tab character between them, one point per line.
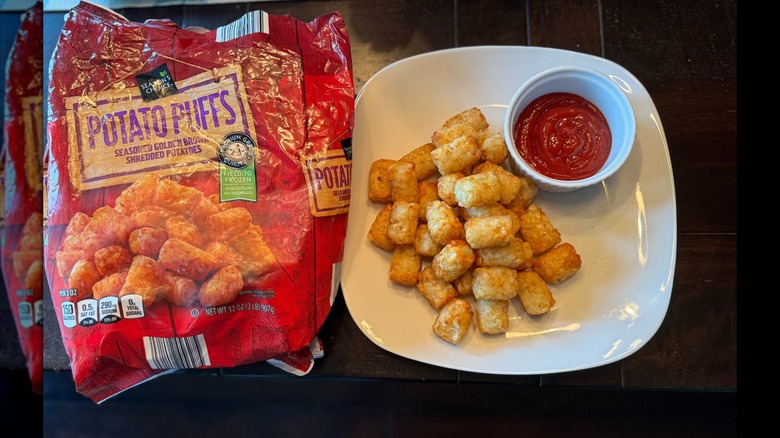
683	382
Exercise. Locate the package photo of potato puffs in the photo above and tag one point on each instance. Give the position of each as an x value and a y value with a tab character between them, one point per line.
197	192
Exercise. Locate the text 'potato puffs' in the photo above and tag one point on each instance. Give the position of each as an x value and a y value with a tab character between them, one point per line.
165	241
463	230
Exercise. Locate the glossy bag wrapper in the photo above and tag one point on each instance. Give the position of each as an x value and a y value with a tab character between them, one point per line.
22	237
198	190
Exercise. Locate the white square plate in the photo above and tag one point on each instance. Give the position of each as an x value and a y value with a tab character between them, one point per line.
625	229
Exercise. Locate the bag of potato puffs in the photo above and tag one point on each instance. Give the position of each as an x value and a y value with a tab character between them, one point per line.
198	189
21	234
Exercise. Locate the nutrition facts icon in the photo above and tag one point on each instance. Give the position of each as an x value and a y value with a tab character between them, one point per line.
69	314
25	314
109	310
87	312
132	306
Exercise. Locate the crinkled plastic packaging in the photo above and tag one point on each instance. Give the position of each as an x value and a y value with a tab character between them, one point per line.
22	237
198	190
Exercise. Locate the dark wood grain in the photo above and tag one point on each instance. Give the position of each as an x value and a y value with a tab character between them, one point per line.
499	22
562	24
197	405
696	345
685	54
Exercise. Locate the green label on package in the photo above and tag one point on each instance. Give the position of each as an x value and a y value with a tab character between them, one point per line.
237	184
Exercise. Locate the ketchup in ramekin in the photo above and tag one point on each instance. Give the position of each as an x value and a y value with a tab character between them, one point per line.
563	136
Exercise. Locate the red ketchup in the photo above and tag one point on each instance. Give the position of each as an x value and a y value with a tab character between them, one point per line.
563	136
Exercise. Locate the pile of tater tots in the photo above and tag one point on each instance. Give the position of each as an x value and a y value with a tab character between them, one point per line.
463	230
164	241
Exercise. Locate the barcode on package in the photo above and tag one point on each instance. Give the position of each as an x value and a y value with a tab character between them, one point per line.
176	353
251	22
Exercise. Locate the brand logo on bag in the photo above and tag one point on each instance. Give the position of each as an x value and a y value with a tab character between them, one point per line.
117	135
236	150
156	83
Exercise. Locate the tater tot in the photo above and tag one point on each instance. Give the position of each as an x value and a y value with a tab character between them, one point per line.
495	283
429	192
558	264
423	163
404	217
534	294
224	254
221	206
87	241
138	195
232	217
183	291
453	321
147	241
456	155
517	254
29	241
536	229
478	189
112	258
446	187
110	285
23	259
492	316
453	260
424	242
77	223
226	224
203	210
494	148
473	117
509	184
33	279
405	265
463	283
403	182
484	232
82	277
177	197
32	232
151	216
526	195
448	133
72	242
109	227
490	210
222	287
435	290
256	257
379	188
443	223
179	227
377	234
146	277
66	260
469	122
184	259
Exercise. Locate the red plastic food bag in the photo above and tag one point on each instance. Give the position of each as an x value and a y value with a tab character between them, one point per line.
22	237
198	190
